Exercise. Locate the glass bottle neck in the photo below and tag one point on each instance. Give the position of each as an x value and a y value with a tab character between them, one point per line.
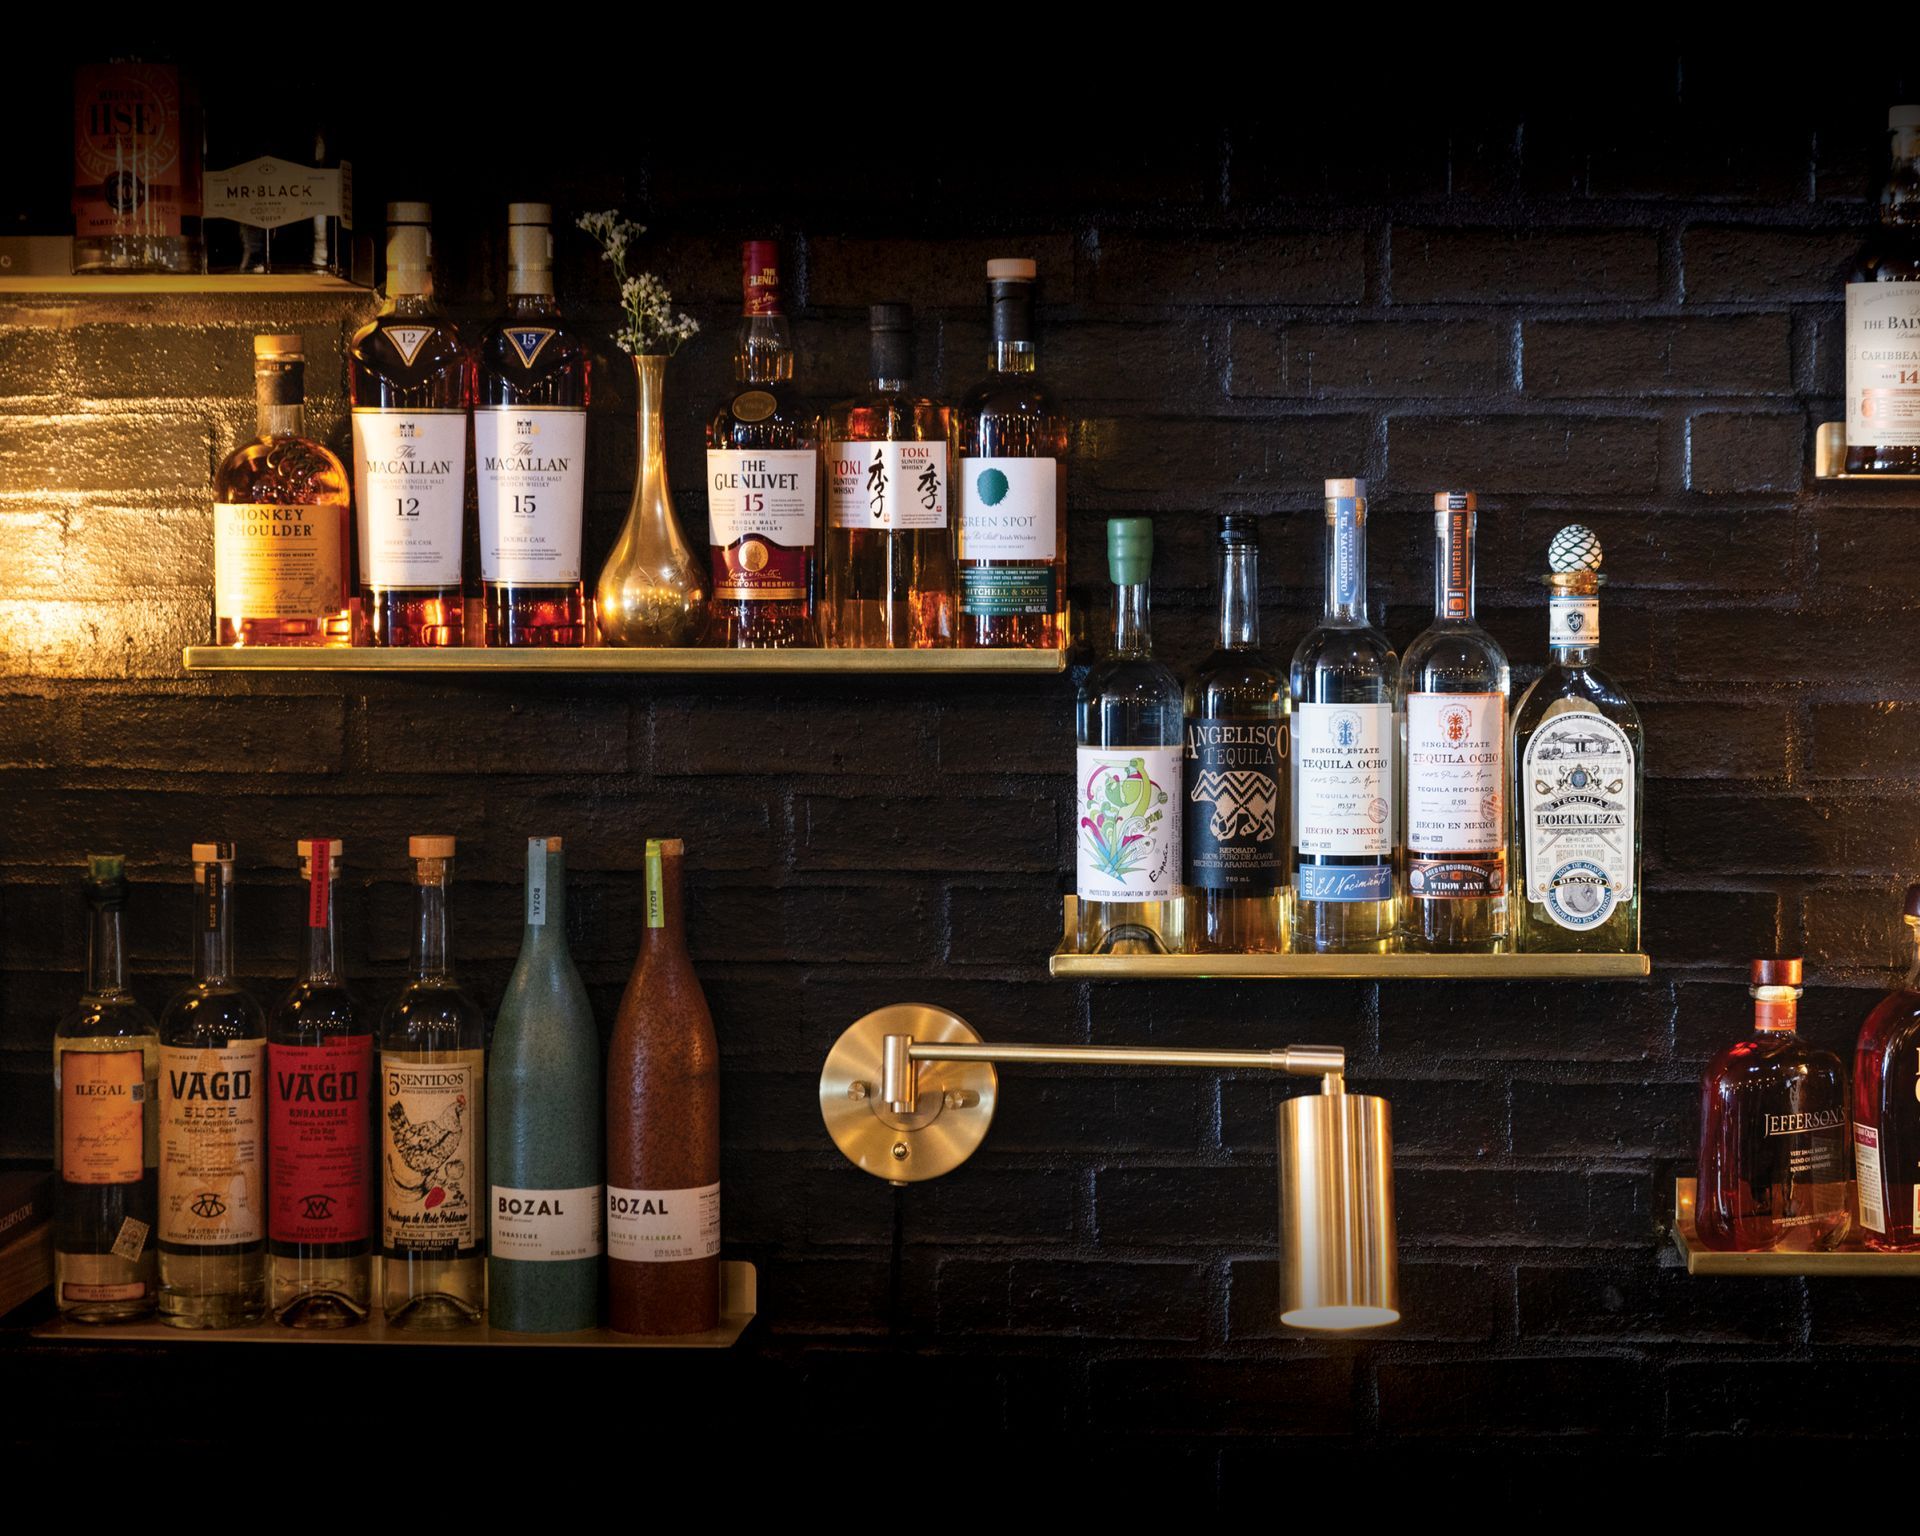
765	352
1346	601
213	923
1900	198
106	950
1453	578
432	948
1239	597
1014	357
530	292
1132	619
666	923
546	894
1913	961
322	962
413	301
1775	1015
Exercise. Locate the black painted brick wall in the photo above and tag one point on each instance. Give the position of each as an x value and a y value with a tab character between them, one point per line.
1628	317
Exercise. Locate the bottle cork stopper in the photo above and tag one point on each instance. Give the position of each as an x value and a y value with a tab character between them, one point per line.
212	853
665	847
1454	501
551	844
1012	269
1346	490
335	848
278	346
529	213
430	847
1784	972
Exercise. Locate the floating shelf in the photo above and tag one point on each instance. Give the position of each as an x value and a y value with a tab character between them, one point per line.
739	1300
1077	967
320	658
1840	1261
126	284
1830	456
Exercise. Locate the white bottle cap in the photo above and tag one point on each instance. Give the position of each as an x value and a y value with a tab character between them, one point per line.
529	213
277	346
1903	117
1012	269
409	213
1343	490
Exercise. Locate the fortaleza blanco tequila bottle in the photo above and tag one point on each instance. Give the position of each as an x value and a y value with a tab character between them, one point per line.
1127	807
1579	778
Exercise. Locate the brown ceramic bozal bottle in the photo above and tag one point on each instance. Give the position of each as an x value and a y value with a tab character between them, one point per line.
663	1129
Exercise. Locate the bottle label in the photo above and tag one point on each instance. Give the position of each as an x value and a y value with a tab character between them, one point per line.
1456	767
1008	509
320	1141
103	1108
410	483
1866	1173
1577	813
1573	621
431	1134
663	1226
888	486
1343	795
1233	778
546	1225
656	886
279	562
761	509
530	463
536	882
1128	815
271	194
213	1144
319	881
997	591
1346	532
1883	365
130	176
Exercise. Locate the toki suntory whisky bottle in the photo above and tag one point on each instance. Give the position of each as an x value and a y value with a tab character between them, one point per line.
410	381
1886	1108
433	1136
1773	1131
1454	684
663	1128
1883	320
1343	679
281	521
213	1124
1011	533
531	378
106	1126
763	480
1127	810
1234	847
321	1105
887	575
1579	778
544	1138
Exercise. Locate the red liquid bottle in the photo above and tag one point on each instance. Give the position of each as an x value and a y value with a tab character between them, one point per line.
1773	1132
1886	1110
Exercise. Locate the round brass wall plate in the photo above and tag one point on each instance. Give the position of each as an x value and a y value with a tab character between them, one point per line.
956	1097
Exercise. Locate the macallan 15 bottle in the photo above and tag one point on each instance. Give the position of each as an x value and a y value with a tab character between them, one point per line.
320	1123
887	577
410	381
1011	533
1773	1131
1886	1109
763	480
531	379
1883	320
282	555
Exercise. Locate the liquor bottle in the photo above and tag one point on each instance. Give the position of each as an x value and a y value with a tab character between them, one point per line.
1454	686
544	1128
887	578
1579	778
410	381
136	169
1011	536
1235	770
530	450
213	1134
281	520
282	200
433	1138
663	1128
320	1123
1883	320
1127	808
763	480
1343	680
1773	1131
1886	1109
106	1132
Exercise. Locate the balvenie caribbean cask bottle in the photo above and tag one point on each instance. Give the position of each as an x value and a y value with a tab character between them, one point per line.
1883	320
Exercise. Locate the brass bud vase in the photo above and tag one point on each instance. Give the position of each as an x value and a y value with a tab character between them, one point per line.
652	590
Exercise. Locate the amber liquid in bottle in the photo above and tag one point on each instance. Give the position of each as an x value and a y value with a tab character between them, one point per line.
1886	1110
1883	309
663	1129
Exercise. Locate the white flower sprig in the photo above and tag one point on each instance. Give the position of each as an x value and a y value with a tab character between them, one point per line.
650	321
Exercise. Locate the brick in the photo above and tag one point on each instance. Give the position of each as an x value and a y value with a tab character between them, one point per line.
1717	355
1384	358
34	731
1790	1400
1295	1396
934	274
1487	1205
1702	833
118	638
1737	265
1181	1206
1589	455
915	832
180	734
1566	1396
1052	1298
1864	741
127	450
1163	1111
1700	740
34	359
1159	365
1503	266
1610	1301
852	924
1438	1117
1711	927
1859	925
1609	1119
1144	465
1016	731
752	735
1734	453
1677	153
1872	1314
525	736
1326	266
1477	1021
1864	554
1001	926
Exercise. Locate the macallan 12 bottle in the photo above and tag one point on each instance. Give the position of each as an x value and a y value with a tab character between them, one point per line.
531	378
282	552
410	381
1773	1131
1886	1109
1883	320
763	480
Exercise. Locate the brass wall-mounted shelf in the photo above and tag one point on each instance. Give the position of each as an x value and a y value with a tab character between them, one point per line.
125	284
1066	964
667	659
1853	1262
1830	456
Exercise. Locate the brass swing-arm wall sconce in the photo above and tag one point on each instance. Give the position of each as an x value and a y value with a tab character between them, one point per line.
908	1093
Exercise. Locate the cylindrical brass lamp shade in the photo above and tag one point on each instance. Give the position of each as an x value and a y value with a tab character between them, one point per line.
1338	1260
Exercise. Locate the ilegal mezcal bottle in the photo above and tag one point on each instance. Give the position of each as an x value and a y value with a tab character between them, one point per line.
106	1126
1234	846
531	378
1886	1109
1127	809
887	577
1579	778
321	1104
1343	680
433	1135
1883	320
213	1124
410	382
1773	1131
1454	684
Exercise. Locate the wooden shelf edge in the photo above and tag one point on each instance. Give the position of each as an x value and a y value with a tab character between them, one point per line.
109	285
1830	457
1855	1263
666	660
